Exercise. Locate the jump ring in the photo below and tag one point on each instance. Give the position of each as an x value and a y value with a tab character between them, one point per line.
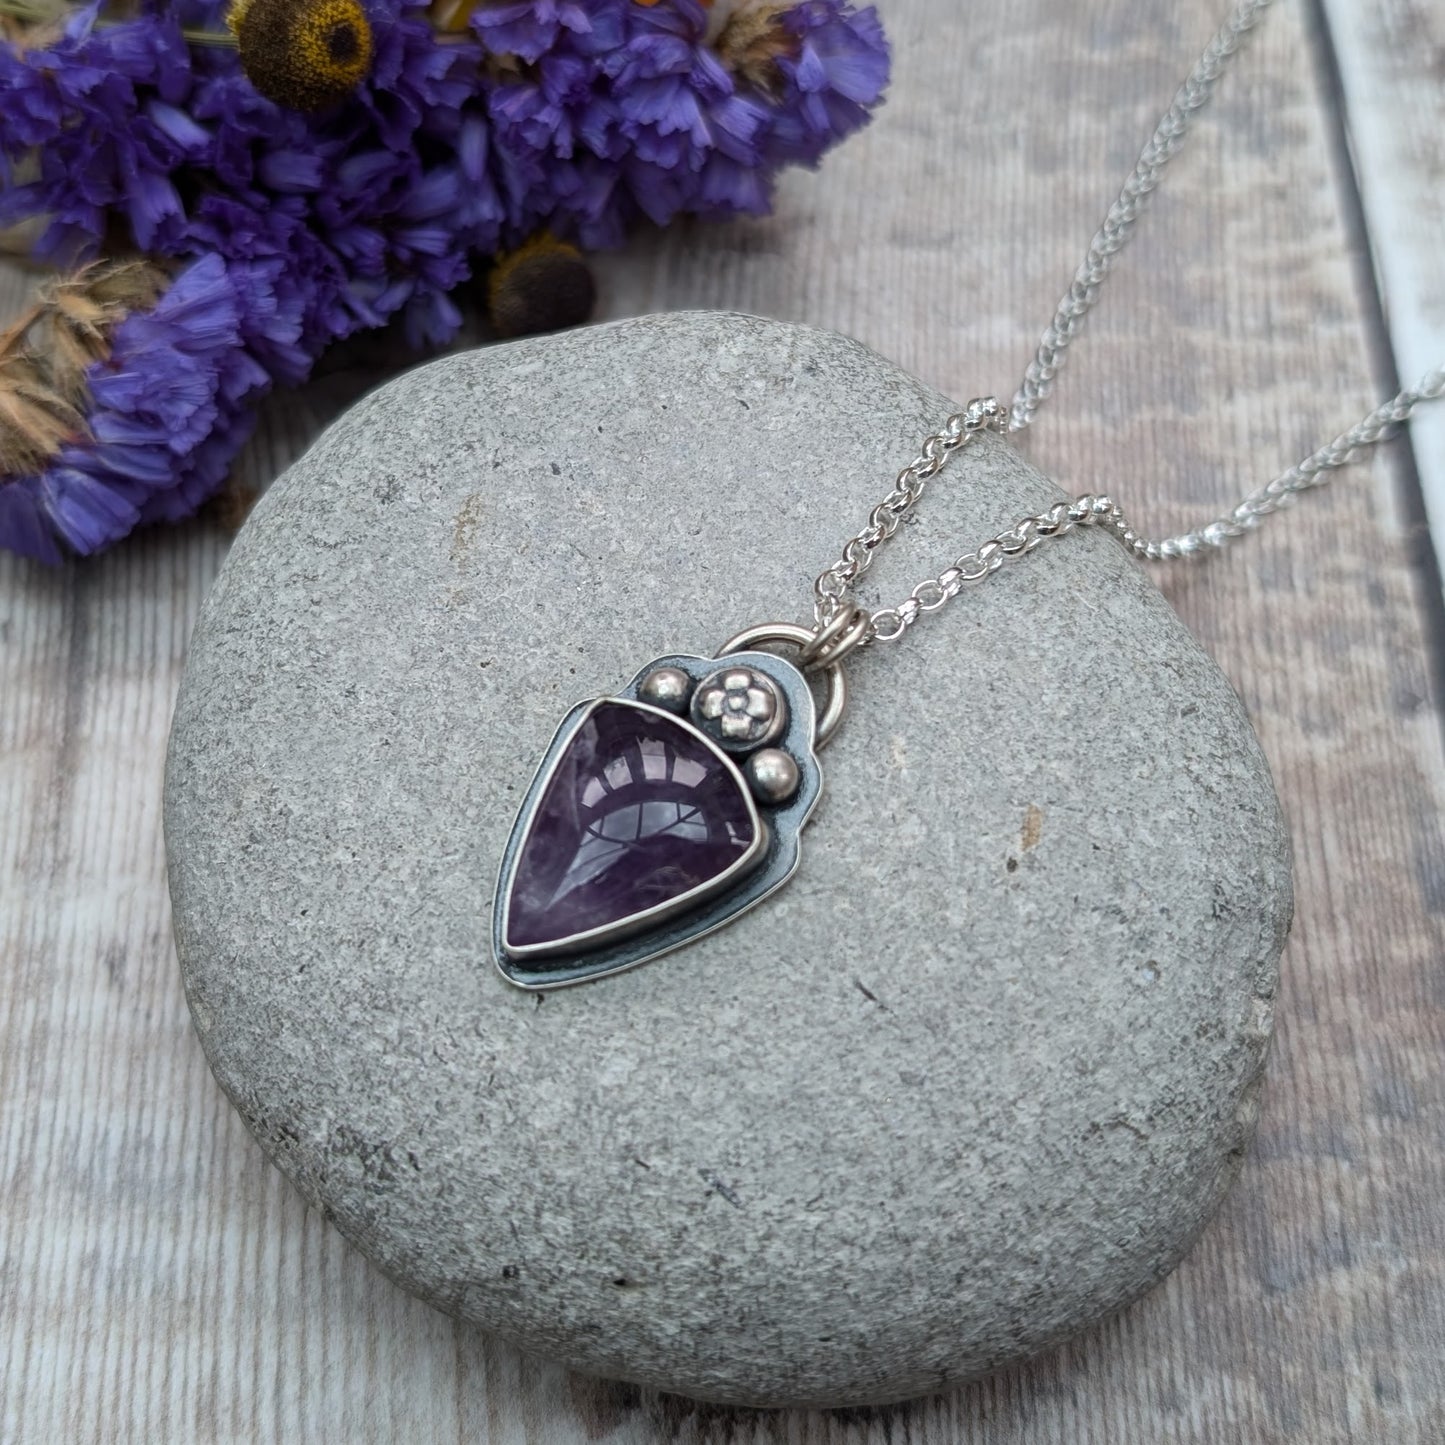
836	638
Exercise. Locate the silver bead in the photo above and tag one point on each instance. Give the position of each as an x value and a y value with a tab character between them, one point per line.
740	709
772	775
669	688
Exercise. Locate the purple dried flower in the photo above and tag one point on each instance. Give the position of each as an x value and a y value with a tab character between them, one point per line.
169	409
655	110
114	112
838	70
530	28
75	106
582	117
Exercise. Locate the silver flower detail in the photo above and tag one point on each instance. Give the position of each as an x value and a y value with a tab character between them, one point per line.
739	708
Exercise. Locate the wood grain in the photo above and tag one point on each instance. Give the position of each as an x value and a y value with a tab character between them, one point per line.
1391	63
158	1282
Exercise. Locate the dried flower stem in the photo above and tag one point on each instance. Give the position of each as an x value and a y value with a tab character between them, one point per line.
34	12
221	39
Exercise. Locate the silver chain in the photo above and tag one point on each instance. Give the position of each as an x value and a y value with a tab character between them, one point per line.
1111	238
832	608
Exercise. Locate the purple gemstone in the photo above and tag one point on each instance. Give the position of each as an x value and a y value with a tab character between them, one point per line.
640	813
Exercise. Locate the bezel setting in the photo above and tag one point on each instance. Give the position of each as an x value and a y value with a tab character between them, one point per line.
769	862
647	918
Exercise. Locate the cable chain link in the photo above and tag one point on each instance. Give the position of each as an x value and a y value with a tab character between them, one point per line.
834	585
973	567
833	588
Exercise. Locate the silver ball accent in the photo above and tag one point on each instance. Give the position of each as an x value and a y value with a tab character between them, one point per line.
772	775
669	688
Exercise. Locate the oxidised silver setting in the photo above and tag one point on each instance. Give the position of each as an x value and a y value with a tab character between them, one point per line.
635	923
638	940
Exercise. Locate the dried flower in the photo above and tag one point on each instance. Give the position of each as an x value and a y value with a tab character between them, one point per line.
305	54
834	72
345	163
750	38
45	356
34	420
83	310
32	22
631	111
167	409
544	285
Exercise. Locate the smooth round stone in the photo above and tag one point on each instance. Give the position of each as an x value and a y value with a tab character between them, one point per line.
974	1079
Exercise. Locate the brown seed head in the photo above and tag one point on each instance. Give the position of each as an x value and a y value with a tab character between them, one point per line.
545	285
306	55
751	41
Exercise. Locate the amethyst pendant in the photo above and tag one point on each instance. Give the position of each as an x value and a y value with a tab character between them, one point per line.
657	816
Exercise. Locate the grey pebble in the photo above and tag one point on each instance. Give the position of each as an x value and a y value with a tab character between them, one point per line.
974	1079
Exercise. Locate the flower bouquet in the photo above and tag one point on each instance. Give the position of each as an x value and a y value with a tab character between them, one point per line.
227	190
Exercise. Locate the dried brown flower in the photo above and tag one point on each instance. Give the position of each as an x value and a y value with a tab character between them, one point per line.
303	54
32	24
750	40
45	354
34	422
544	285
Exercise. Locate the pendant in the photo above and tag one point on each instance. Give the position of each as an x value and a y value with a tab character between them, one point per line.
663	812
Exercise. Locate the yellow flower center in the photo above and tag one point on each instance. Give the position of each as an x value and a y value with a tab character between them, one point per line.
303	54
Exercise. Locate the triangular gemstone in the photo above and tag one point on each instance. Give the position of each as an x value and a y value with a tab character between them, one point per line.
641	819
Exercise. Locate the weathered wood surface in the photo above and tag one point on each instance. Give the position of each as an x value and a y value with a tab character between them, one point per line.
159	1282
1391	62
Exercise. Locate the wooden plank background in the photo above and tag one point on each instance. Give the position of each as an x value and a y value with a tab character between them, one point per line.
159	1282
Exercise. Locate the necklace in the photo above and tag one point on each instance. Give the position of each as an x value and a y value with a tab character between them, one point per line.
668	809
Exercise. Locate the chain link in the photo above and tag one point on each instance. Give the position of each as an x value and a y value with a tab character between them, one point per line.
1018	541
1111	238
833	588
834	585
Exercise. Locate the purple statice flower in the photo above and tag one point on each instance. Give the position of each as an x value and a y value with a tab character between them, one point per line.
582	117
531	28
374	208
292	230
637	115
836	73
76	106
381	201
170	408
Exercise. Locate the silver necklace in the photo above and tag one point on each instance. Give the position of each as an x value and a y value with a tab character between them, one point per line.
666	810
